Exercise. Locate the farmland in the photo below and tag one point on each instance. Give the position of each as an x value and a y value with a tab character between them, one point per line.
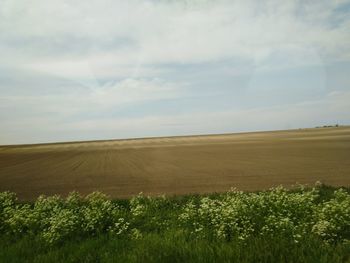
178	165
198	219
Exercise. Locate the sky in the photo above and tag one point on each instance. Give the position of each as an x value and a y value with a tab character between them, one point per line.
106	69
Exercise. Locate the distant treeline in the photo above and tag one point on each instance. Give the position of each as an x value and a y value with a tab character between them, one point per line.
328	126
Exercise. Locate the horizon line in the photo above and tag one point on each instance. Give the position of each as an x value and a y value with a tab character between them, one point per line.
168	136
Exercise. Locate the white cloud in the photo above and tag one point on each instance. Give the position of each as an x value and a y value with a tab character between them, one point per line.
112	95
117	53
66	36
333	109
135	90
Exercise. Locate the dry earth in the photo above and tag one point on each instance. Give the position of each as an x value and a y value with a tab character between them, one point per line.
179	165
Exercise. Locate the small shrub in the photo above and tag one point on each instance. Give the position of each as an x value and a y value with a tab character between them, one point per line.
99	213
333	218
320	213
62	226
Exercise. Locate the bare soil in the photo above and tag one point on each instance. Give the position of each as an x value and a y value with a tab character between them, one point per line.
179	165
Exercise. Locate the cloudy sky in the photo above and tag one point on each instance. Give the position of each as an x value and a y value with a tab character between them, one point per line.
104	69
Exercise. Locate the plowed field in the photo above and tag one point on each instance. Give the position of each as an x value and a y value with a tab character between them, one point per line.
179	165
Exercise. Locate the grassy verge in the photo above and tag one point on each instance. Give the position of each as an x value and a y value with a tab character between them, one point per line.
302	225
172	247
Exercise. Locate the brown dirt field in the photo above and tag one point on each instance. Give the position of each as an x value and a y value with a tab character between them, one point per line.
179	165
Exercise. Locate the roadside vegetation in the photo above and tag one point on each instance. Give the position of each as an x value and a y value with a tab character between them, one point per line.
279	225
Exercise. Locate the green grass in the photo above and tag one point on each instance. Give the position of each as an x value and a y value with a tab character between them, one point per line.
172	247
316	228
